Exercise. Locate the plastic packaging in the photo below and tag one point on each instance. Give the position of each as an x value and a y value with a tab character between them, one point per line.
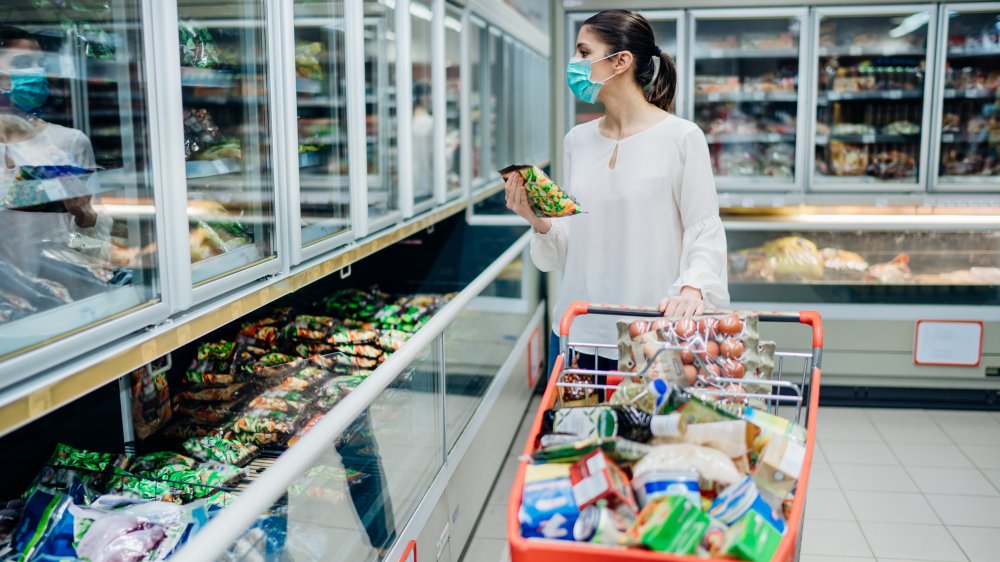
715	469
547	200
548	509
596	477
669	524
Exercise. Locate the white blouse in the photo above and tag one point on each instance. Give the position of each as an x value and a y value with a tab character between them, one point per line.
649	226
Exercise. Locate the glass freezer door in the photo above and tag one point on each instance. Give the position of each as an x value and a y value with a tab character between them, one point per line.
870	98
746	95
77	214
321	94
227	162
667	31
968	146
380	112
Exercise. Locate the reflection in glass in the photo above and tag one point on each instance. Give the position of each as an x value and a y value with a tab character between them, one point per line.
76	207
746	95
870	99
970	126
477	46
321	87
453	91
380	107
423	101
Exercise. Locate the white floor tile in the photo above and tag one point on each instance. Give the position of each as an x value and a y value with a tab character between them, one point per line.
875	478
969	511
964	481
891	507
829	505
930	454
963	417
818	455
486	550
912	542
821	478
924	432
856	428
824	558
493	524
983	456
883	416
979	544
857	452
833	538
994	477
969	434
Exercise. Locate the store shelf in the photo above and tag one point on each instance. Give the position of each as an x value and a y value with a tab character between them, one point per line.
207	78
741	97
958	52
825	97
959	138
745	53
196	169
743	139
952	93
885	51
822	140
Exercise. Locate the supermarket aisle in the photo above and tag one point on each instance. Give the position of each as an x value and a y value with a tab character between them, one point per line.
887	485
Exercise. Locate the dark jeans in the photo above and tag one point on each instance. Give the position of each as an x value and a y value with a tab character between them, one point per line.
359	451
584	361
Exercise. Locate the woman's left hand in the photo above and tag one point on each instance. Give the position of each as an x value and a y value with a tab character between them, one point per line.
685	305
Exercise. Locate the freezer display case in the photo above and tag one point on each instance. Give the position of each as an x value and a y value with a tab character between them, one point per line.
968	123
423	124
453	76
228	162
380	112
894	255
321	108
872	97
77	207
478	46
745	71
668	30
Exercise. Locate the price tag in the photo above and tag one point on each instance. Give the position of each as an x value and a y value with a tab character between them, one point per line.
855	50
894	94
868	139
951	343
713	97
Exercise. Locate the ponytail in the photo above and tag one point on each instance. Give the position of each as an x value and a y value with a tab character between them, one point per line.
664	85
624	30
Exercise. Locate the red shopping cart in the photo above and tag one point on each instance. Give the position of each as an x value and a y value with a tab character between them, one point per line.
801	394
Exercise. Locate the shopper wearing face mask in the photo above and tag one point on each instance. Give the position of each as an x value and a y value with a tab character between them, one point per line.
46	170
651	234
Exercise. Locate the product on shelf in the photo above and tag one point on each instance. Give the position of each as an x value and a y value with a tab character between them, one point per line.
200	132
893	272
547	200
151	403
847	159
307	63
841	264
198	48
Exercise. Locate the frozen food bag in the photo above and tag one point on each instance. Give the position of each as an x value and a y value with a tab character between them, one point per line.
211	448
547	200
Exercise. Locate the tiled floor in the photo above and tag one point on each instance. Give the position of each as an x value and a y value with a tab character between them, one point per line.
887	485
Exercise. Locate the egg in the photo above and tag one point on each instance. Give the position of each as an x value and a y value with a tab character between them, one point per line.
637	328
711	369
687	357
732	348
733	369
690	374
730	326
707	326
711	350
685	328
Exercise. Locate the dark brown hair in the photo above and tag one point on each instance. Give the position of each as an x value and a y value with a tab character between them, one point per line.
623	30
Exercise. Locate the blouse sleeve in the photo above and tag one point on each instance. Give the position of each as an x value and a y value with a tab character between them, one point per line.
548	251
703	253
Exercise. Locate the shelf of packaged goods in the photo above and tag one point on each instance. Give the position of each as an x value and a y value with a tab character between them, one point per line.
702	53
971	138
751	138
959	52
855	51
741	97
208	78
22	404
860	180
970	94
196	169
874	95
822	140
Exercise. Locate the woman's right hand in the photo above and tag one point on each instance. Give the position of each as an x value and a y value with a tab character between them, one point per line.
517	200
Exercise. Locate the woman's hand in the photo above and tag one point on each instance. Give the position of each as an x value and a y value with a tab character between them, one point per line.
517	201
685	305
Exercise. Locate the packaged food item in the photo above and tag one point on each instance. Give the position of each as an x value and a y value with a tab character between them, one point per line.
354	304
306	428
669	524
743	497
620	450
204	479
596	477
354	337
547	200
147	489
548	508
599	524
778	469
752	538
153	462
715	469
282	401
646	397
209	412
353	361
212	448
310	327
258	439
731	437
598	421
213	365
268	421
770	425
654	483
326	483
67	464
216	394
151	405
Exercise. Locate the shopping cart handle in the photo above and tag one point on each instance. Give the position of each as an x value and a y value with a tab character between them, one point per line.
576	308
812	318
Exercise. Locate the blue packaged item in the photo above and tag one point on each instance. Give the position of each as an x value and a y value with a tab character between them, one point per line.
667	482
741	498
548	508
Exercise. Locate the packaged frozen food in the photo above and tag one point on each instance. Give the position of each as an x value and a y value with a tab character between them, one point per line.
212	448
209	412
548	509
596	477
268	421
547	200
153	462
217	394
669	524
310	327
847	159
895	272
282	401
68	464
715	469
840	264
151	405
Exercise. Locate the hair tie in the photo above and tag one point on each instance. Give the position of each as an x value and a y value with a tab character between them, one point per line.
656	50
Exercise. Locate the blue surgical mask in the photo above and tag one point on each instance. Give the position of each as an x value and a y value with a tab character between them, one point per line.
578	78
29	89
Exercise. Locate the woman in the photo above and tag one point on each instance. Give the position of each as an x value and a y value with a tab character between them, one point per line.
650	233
